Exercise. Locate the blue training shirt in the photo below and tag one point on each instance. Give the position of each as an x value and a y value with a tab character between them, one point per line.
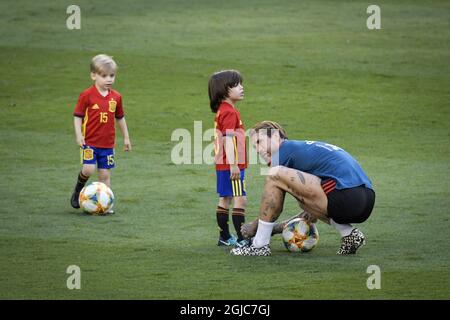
322	160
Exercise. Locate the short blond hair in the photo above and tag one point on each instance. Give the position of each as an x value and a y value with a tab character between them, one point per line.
103	64
268	127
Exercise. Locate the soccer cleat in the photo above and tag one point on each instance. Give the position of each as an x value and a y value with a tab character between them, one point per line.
74	200
232	240
251	250
352	242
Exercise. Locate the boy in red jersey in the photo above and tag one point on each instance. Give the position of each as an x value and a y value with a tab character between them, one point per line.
94	120
225	89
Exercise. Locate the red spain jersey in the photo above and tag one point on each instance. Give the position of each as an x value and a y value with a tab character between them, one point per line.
99	114
228	123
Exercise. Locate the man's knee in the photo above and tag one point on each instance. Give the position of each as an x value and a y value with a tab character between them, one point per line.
275	175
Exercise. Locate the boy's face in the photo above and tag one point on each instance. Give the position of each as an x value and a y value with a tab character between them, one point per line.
103	81
236	93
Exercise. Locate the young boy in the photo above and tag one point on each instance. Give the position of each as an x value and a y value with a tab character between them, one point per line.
94	119
225	90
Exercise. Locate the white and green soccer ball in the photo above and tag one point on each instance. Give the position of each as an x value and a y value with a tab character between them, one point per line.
300	236
96	198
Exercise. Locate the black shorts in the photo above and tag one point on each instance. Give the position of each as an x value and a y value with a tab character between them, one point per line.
352	205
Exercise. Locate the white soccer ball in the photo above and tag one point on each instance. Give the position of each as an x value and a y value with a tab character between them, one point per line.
96	198
300	236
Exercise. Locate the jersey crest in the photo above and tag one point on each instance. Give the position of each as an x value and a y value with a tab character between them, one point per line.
112	105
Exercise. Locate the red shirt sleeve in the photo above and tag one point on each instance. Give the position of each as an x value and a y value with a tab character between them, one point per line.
119	110
229	122
82	104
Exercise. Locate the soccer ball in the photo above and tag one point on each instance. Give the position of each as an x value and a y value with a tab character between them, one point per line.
96	198
300	235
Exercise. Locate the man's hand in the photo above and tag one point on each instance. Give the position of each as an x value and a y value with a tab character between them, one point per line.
126	144
278	228
249	229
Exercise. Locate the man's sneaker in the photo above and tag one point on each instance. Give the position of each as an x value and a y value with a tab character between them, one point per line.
74	200
242	243
230	242
251	250
352	242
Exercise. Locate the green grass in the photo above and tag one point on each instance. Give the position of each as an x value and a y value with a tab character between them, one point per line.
313	66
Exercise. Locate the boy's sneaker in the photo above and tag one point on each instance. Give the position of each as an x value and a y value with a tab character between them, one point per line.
352	242
231	241
251	250
74	200
110	211
242	243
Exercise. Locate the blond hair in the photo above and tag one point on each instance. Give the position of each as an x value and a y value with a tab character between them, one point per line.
268	127
103	64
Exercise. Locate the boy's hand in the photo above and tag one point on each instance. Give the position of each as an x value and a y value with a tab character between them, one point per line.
235	173
80	141
126	144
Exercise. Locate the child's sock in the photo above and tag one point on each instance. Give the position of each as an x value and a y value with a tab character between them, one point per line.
263	234
222	222
238	216
344	229
82	179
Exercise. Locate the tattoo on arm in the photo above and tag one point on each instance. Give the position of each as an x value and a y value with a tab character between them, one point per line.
301	176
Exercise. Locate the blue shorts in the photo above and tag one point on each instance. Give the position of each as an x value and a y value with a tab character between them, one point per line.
228	188
102	157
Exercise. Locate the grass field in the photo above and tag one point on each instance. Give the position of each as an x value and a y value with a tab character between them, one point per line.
313	66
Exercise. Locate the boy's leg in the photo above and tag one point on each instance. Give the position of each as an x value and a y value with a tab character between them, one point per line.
104	175
83	176
105	162
226	191
240	203
222	213
238	215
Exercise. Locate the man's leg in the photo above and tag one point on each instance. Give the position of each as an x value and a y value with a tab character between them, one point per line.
304	187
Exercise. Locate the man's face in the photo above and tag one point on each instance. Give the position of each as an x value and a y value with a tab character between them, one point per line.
264	145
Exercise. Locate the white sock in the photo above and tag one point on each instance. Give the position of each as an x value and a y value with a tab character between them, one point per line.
344	229
263	234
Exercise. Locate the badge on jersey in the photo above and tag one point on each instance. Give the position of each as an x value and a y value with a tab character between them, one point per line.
112	106
88	154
